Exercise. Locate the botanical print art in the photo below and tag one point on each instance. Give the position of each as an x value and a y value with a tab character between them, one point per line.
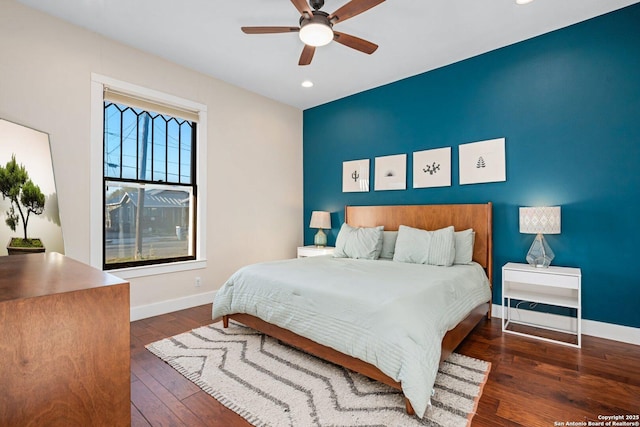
432	168
355	176
29	202
482	161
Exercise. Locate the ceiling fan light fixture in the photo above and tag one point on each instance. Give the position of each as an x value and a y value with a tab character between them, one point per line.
316	34
316	27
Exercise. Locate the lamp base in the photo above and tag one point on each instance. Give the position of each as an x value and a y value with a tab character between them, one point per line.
320	238
540	254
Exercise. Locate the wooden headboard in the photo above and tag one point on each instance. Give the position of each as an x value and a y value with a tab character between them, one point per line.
433	217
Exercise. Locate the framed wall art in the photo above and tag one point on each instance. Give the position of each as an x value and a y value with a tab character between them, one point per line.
482	161
432	168
391	172
29	209
355	176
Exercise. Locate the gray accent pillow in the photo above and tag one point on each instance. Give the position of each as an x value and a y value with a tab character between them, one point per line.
425	247
464	246
358	242
388	244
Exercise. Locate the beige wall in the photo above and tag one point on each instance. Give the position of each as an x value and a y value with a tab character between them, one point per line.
254	158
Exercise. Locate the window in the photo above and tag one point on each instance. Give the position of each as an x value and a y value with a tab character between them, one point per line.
149	182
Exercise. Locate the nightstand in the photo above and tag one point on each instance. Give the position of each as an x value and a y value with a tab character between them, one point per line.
306	251
556	286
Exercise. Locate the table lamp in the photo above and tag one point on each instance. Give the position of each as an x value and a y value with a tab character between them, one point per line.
540	221
320	220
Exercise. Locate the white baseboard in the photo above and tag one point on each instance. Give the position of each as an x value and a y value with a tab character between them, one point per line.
163	307
592	328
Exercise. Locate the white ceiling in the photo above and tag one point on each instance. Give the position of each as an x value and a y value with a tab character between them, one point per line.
414	36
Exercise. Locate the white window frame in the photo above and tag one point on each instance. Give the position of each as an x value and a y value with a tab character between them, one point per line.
98	83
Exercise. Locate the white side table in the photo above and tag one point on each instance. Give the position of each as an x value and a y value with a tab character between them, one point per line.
558	286
306	251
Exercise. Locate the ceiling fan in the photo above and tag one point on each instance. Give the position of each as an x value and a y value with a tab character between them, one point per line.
316	27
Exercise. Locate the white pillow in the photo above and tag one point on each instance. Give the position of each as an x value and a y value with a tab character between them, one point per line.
464	246
425	247
388	244
358	242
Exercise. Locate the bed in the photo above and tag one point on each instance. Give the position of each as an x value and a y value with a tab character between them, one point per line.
375	351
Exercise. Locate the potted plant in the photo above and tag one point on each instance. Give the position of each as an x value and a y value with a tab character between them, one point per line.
26	199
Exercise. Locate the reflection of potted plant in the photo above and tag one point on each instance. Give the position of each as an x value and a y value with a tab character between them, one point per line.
27	198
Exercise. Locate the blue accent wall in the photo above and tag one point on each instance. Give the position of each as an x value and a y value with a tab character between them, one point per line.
568	104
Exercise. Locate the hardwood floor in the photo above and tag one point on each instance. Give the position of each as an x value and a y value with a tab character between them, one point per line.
532	383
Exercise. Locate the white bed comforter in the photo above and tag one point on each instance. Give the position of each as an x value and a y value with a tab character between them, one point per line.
390	314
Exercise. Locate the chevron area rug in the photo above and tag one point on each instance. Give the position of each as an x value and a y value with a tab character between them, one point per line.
272	384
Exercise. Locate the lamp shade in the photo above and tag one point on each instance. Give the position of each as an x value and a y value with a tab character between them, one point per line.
540	220
320	219
316	34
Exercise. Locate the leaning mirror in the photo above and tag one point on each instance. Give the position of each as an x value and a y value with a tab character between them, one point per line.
29	202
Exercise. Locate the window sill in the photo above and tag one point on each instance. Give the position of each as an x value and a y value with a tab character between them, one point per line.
153	270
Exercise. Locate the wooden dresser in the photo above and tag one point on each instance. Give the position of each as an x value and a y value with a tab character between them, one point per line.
64	344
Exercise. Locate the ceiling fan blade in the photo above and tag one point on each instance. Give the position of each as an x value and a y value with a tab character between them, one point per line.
269	30
303	7
353	8
355	42
307	55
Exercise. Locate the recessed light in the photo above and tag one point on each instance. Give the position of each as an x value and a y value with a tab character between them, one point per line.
307	83
523	1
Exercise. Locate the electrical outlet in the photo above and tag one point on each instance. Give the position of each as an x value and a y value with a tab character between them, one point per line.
198	283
